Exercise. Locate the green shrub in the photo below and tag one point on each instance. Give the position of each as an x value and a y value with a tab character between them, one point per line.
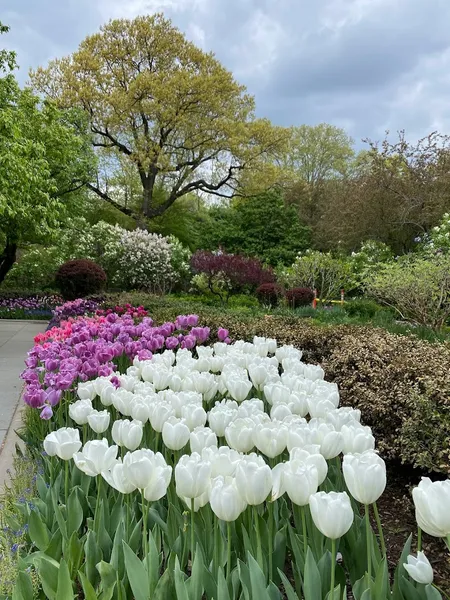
322	272
35	269
80	278
362	307
418	289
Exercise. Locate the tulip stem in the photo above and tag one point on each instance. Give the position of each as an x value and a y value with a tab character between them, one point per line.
270	508
192	533
216	547
84	440
419	539
144	525
447	541
228	550
380	530
97	506
259	555
333	568
368	542
305	535
66	480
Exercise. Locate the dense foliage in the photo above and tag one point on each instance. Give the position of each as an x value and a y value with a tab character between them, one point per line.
263	226
299	296
269	294
225	274
79	278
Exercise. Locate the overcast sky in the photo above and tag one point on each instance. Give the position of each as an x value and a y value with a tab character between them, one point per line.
364	65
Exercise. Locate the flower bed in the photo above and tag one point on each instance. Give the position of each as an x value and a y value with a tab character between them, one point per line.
224	471
32	307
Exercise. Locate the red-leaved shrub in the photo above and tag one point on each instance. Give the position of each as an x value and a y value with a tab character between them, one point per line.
242	274
269	294
299	297
80	278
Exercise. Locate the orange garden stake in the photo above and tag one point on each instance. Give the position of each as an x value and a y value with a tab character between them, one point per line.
314	303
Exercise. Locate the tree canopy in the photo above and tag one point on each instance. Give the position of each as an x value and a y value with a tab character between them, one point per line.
43	159
169	109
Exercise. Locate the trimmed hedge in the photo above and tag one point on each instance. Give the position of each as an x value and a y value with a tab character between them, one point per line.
80	278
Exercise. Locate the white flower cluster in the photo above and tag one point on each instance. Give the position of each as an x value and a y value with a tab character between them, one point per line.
145	261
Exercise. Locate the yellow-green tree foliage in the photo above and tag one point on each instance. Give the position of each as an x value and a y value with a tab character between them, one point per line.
173	111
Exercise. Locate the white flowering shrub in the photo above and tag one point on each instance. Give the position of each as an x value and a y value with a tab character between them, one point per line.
145	262
438	240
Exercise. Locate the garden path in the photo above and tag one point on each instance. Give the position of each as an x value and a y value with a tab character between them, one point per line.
16	338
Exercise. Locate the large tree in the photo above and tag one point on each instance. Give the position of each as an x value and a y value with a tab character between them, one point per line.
43	162
169	109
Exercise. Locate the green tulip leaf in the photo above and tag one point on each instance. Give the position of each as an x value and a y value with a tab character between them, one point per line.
312	583
74	513
222	587
89	591
108	578
65	588
195	582
289	590
24	587
38	532
137	574
432	593
180	582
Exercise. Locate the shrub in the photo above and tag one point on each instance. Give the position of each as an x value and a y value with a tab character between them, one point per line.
224	274
418	289
79	278
320	271
269	294
362	307
35	269
144	262
298	297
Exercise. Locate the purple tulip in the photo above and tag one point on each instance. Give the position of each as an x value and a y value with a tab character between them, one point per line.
222	334
189	342
46	413
53	396
144	354
171	343
200	333
34	397
192	320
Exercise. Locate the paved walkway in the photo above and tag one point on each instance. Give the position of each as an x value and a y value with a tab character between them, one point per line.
16	338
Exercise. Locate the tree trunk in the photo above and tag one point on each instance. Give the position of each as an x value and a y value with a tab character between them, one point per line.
7	258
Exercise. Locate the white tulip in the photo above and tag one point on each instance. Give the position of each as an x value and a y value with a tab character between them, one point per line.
86	390
432	503
365	476
225	499
62	443
160	412
332	513
127	433
310	455
79	411
357	439
419	568
96	457
194	416
220	418
175	433
192	476
298	480
239	434
238	388
106	395
117	479
202	437
224	460
99	420
271	438
253	479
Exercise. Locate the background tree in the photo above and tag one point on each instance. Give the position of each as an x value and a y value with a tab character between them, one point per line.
42	162
315	155
260	226
171	110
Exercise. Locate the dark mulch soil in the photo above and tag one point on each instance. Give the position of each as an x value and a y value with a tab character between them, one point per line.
397	514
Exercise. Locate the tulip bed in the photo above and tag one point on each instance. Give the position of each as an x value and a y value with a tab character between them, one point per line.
173	469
